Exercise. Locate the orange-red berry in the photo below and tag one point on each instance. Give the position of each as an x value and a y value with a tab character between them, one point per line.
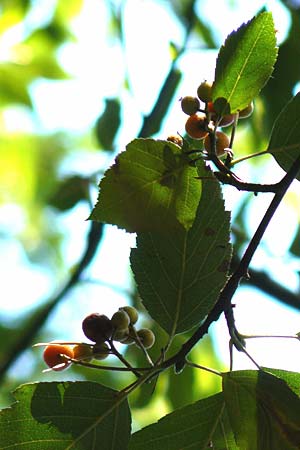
176	139
53	356
222	142
83	352
246	112
196	126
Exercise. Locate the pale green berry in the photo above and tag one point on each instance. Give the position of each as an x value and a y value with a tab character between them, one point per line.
132	313
146	337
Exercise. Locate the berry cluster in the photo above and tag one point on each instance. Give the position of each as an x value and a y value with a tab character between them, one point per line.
204	119
102	331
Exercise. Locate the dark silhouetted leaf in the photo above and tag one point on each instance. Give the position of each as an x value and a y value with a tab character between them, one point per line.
245	62
144	190
108	124
285	76
70	191
180	274
285	138
77	415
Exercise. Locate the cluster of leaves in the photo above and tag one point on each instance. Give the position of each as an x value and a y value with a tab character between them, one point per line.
181	266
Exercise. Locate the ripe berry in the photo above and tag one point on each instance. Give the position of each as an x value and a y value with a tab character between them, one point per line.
83	352
132	313
97	327
190	105
120	320
176	139
246	112
101	351
222	142
196	126
204	91
52	356
146	337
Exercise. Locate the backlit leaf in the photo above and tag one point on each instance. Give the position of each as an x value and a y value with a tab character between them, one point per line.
285	138
200	426
263	411
151	186
180	274
245	62
77	415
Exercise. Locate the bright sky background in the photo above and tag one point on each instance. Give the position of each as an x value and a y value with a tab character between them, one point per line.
98	69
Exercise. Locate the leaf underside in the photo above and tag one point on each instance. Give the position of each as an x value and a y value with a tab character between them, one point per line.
194	427
180	274
150	187
255	411
65	415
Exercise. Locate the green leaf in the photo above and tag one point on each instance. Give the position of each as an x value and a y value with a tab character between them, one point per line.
263	411
285	76
200	426
77	415
180	274
14	84
285	138
108	123
245	62
150	187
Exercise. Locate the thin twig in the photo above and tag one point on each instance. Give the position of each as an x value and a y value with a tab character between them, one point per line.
224	302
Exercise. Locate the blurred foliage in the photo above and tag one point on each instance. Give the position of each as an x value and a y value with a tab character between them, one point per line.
36	177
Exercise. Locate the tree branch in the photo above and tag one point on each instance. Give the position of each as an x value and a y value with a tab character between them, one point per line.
224	302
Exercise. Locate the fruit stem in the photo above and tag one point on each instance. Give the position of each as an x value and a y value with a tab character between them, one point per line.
122	359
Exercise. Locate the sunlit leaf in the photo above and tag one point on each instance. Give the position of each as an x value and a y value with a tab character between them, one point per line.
245	62
263	412
81	415
180	274
200	426
285	138
143	192
285	76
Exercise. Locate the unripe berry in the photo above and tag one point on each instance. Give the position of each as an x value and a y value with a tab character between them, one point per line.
132	313
120	335
246	112
128	340
190	105
101	351
97	327
146	337
120	320
83	352
222	142
195	126
204	91
52	356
